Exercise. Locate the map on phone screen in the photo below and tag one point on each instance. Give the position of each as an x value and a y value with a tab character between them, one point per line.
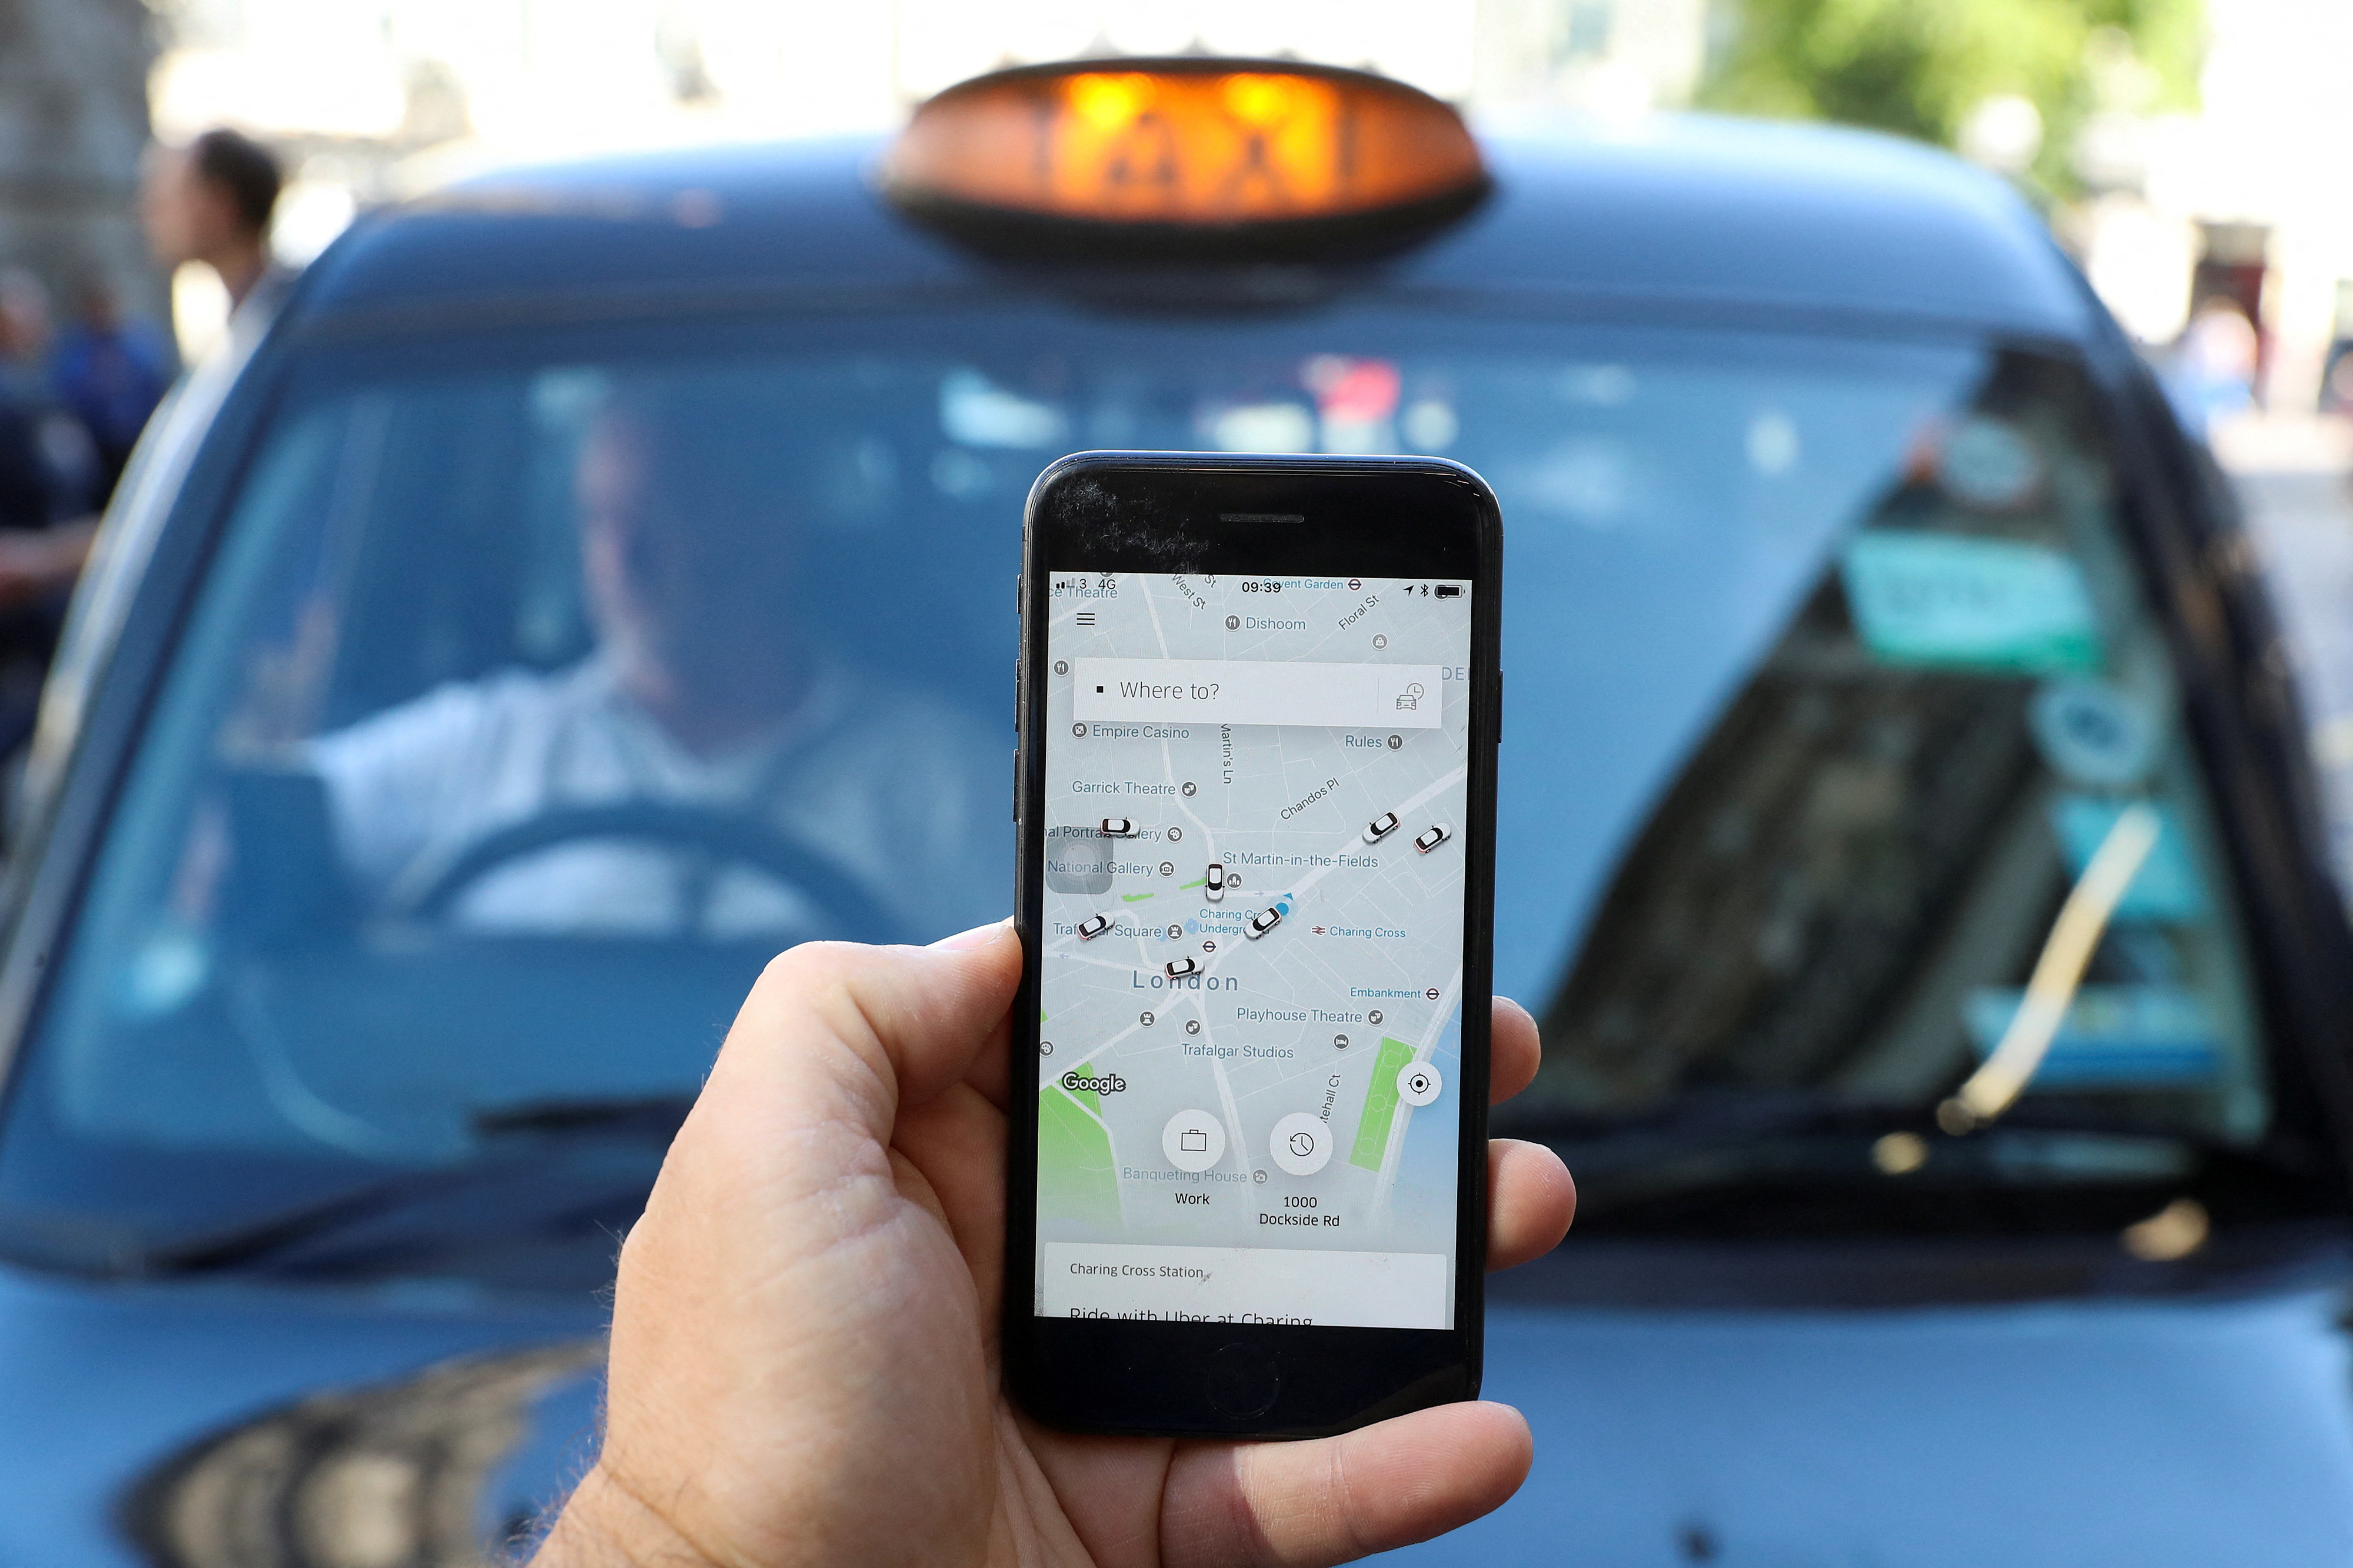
1252	948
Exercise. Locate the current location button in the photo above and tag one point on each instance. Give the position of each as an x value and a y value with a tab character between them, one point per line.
1301	1144
1193	1140
1418	1083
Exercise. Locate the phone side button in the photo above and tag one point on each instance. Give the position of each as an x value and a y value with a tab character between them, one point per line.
1016	781
1243	1381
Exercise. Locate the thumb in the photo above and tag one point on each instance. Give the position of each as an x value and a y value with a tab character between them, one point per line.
783	1284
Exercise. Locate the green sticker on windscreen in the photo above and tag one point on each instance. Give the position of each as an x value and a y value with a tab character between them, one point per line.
1950	602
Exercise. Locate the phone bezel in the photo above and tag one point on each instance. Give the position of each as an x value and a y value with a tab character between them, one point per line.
1163	512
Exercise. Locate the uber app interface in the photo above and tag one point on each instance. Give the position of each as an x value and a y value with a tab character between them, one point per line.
1252	948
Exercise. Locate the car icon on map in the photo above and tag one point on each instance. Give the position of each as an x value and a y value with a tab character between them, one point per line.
1438	834
1215	886
1178	968
1118	827
1093	927
1381	827
1264	921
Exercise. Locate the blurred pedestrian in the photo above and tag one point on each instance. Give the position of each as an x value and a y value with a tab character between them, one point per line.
211	201
2213	371
24	334
25	489
110	373
68	453
47	476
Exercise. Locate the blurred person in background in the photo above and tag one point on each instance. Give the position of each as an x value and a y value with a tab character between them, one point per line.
2336	380
110	373
23	335
212	201
67	456
26	485
49	484
2214	373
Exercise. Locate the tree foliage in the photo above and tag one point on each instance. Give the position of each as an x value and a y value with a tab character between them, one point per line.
1918	67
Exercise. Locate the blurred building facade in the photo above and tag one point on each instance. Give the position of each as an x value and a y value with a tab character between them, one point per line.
376	98
2244	201
372	100
1609	58
73	121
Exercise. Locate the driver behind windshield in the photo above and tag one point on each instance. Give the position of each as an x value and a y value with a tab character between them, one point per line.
704	697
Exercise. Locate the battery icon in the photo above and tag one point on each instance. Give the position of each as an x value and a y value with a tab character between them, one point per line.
1450	590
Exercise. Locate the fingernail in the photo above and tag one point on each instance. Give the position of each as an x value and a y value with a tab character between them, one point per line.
978	936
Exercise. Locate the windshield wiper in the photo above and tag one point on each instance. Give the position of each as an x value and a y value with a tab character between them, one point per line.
552	1160
1718	1124
1753	1130
1902	1133
652	1116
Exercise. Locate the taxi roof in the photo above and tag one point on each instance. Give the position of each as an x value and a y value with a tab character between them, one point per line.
1683	215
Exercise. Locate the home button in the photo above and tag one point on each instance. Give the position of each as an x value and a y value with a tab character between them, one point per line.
1243	1380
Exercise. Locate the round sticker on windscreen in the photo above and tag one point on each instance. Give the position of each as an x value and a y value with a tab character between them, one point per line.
2092	734
1988	464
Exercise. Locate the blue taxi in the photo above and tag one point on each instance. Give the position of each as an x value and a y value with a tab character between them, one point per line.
599	577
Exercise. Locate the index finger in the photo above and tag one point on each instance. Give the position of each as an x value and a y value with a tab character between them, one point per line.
1515	1051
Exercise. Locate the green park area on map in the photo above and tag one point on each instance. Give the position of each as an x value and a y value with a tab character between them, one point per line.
1380	1105
1075	1175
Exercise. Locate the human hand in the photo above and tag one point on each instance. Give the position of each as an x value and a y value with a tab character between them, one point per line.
804	1364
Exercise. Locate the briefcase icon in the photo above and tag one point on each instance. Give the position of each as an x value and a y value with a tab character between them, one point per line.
1193	1141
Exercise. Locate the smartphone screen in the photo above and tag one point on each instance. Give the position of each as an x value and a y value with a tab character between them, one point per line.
1252	948
1258	705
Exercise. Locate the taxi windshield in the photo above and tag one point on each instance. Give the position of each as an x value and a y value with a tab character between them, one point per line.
543	685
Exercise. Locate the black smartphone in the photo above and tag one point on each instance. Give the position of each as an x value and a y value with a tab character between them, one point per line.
1258	705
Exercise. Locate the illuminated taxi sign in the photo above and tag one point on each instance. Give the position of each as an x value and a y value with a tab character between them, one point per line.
1198	146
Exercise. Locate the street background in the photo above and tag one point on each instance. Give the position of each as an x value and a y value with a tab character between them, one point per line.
2190	155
